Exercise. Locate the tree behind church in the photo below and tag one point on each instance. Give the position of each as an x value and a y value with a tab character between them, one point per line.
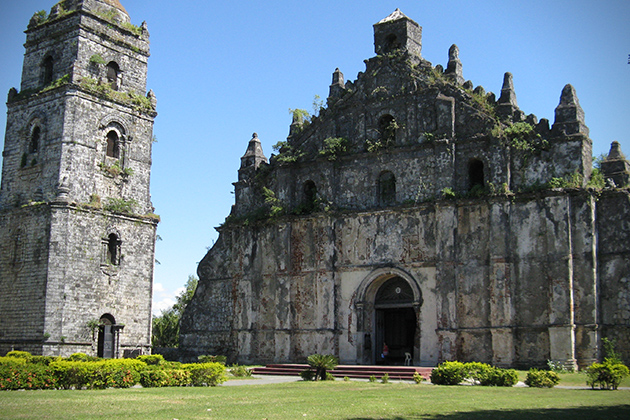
165	332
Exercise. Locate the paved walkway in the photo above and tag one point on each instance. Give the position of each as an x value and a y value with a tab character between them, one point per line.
270	379
262	380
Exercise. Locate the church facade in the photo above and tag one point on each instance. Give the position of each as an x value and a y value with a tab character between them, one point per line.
424	213
77	229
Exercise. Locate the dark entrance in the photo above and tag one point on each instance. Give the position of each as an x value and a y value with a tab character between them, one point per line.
396	322
106	337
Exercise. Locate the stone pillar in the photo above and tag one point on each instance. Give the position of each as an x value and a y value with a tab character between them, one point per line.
506	105
338	85
454	67
562	345
569	114
502	347
616	168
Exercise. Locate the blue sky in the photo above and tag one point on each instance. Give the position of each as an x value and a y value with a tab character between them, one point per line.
224	70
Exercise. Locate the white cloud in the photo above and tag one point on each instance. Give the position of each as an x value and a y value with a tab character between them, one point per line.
161	305
164	298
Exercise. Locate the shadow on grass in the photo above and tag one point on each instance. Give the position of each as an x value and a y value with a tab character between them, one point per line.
586	413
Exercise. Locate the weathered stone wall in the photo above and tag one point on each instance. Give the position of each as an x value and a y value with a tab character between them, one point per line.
501	281
23	259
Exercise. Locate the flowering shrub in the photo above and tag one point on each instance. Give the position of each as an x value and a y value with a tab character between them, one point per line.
26	376
22	371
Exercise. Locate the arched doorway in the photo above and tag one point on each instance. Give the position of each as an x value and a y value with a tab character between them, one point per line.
387	305
106	336
395	321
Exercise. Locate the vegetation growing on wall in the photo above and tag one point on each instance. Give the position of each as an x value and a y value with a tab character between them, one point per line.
138	102
333	147
287	153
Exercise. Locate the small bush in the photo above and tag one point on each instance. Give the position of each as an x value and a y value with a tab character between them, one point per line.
240	371
476	371
152	359
20	355
212	359
372	378
499	377
206	374
453	373
542	378
385	378
449	373
307	375
329	377
606	375
346	379
417	378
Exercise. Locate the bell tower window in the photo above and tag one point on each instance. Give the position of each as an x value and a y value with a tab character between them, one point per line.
47	69
391	43
310	196
112	249
33	146
386	189
113	145
475	174
113	73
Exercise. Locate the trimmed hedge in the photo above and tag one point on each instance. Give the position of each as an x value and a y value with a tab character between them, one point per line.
164	377
19	371
454	373
15	376
112	373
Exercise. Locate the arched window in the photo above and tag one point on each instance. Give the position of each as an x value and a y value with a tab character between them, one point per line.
475	174
33	146
113	72
113	249
387	127
386	189
47	69
113	145
310	195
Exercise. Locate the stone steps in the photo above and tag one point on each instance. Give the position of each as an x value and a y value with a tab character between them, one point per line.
404	373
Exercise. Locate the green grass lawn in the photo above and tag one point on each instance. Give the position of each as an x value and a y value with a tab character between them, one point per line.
318	400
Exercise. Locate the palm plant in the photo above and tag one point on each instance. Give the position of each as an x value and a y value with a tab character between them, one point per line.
322	363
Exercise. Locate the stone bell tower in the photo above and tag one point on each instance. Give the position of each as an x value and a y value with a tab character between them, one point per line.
77	228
